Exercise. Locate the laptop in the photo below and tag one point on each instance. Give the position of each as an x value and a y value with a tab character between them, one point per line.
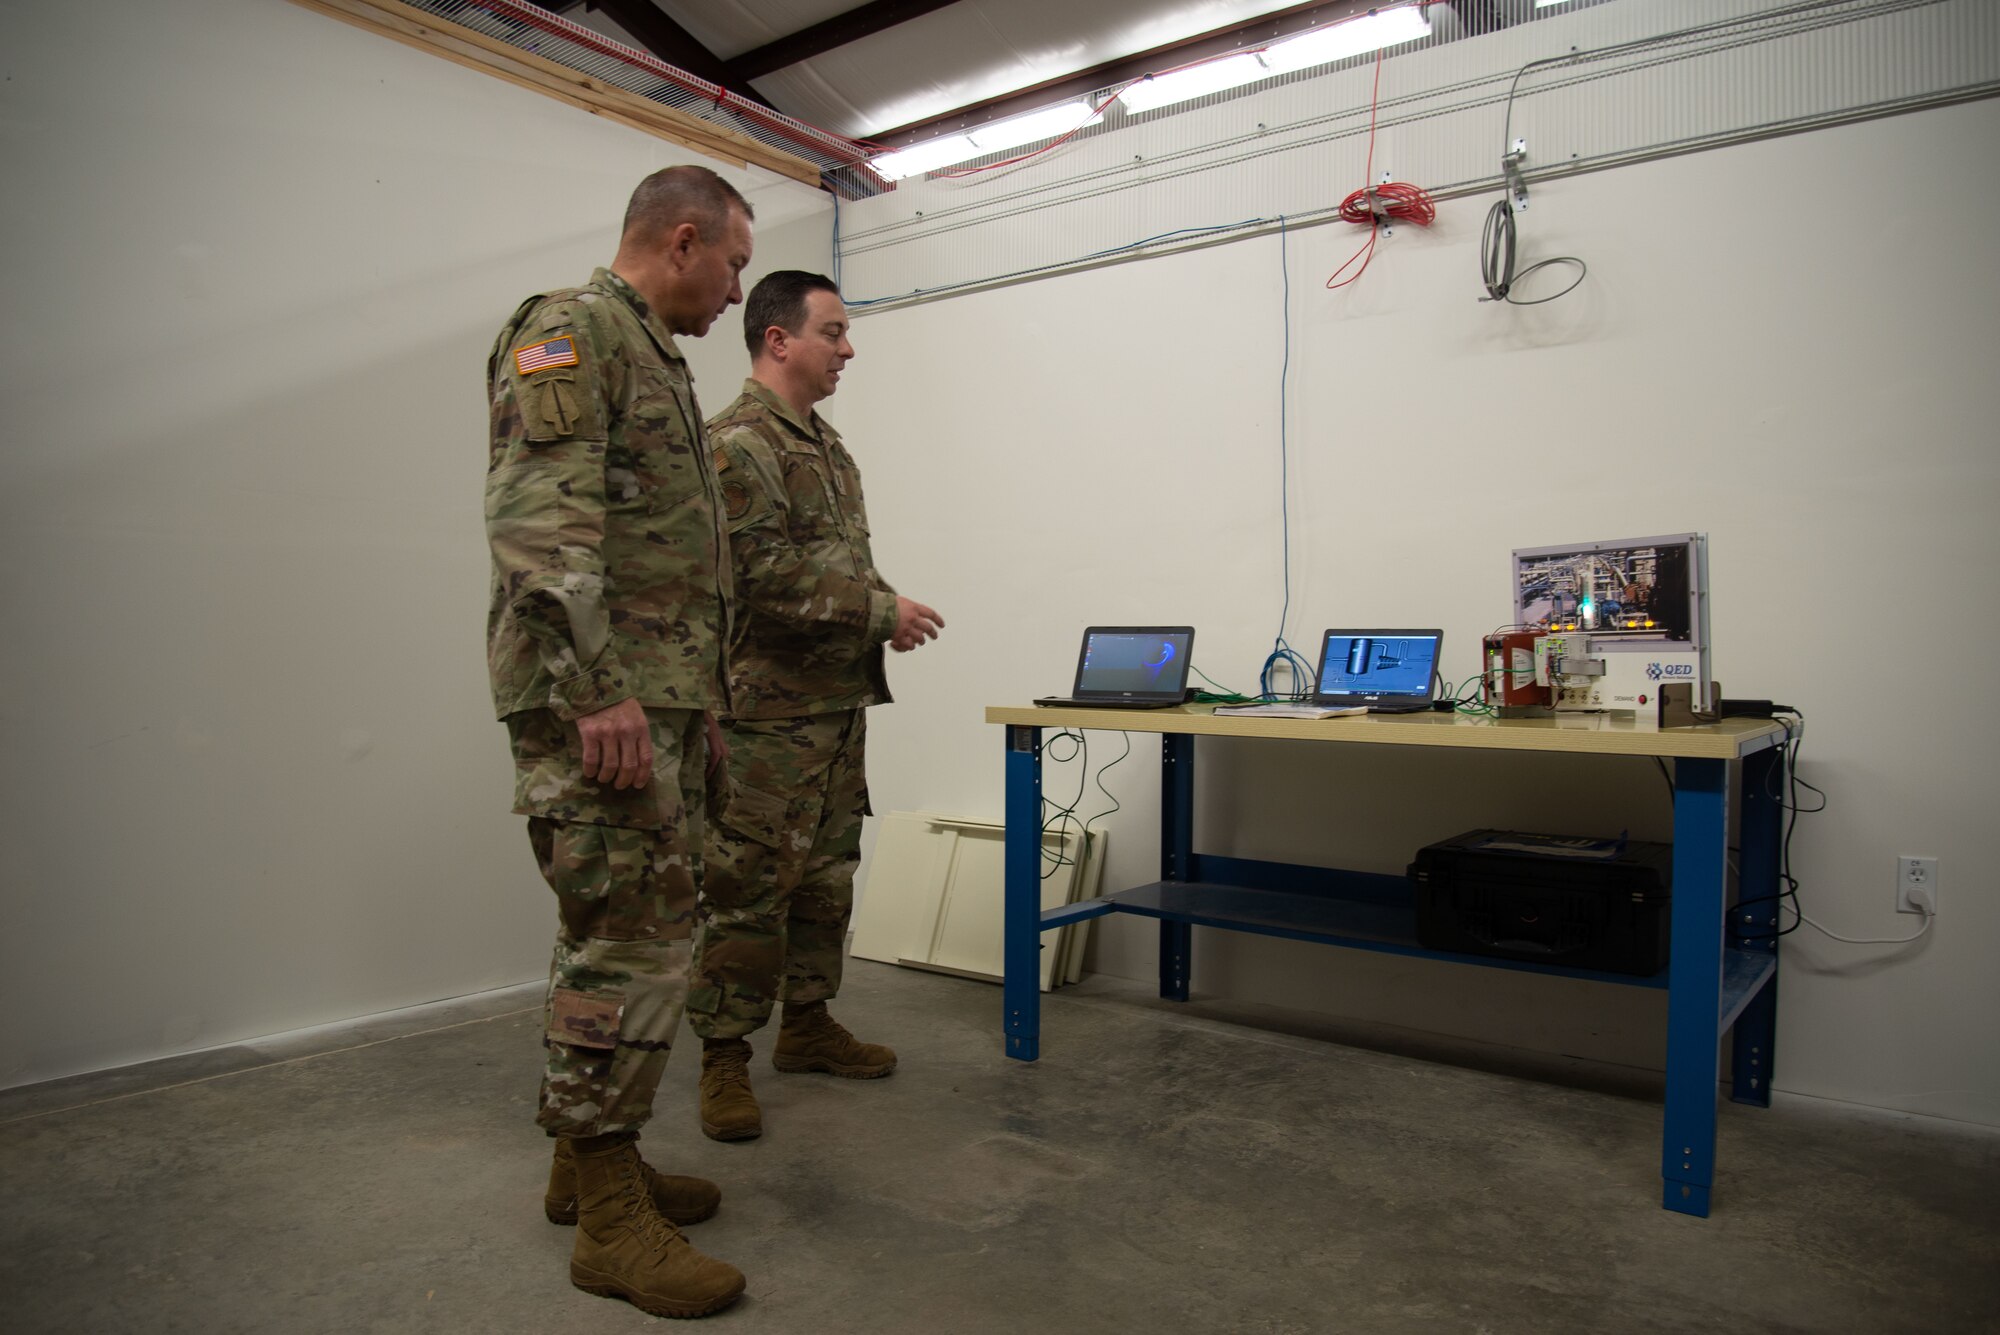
1382	671
1130	667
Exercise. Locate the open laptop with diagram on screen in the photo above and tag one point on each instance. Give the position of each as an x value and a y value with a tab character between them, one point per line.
1130	667
1363	672
1382	671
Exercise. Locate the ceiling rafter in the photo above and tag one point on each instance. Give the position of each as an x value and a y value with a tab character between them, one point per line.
673	44
829	35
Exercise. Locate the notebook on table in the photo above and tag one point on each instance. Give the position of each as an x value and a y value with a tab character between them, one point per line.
1130	667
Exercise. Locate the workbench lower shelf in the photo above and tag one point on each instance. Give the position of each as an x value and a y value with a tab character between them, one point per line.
1377	923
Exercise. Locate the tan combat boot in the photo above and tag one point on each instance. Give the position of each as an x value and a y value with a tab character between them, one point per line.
626	1249
684	1200
811	1040
728	1107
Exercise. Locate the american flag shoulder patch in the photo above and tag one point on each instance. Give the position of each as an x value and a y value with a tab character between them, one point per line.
549	352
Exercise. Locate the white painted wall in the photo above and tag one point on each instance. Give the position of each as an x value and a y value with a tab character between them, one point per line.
255	258
1788	345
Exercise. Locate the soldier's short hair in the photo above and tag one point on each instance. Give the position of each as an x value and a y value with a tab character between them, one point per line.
675	195
780	299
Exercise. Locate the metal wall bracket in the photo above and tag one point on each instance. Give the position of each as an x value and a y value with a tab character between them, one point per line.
1380	207
1510	167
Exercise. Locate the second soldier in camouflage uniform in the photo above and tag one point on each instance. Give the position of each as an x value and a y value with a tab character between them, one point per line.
778	878
607	636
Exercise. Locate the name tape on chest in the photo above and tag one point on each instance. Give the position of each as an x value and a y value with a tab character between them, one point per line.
548	353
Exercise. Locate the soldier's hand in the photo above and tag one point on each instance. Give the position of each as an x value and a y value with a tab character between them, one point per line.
915	624
617	745
718	747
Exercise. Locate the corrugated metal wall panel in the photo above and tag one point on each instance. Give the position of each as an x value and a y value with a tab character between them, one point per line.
1629	81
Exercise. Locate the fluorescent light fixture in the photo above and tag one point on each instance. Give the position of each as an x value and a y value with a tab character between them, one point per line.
1544	4
1048	123
927	156
1163	90
1340	40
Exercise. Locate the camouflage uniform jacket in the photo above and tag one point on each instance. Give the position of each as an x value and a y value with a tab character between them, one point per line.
610	574
814	609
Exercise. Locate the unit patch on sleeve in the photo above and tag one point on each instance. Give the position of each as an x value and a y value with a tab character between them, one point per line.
549	352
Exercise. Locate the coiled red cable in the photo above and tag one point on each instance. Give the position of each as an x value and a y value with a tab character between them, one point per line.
1408	203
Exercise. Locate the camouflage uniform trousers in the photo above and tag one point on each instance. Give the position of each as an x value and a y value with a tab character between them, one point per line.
625	898
778	881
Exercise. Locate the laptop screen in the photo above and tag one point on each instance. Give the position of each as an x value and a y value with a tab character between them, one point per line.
1371	666
1135	661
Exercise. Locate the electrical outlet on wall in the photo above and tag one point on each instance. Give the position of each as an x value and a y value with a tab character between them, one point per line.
1916	884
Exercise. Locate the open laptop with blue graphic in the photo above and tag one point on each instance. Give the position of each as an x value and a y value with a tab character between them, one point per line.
1130	667
1382	671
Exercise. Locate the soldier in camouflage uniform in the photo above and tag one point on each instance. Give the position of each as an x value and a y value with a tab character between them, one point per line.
607	638
778	882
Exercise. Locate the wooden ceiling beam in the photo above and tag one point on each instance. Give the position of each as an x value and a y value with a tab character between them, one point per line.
674	44
490	55
829	35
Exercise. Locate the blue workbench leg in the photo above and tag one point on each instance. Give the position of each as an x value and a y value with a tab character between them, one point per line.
1020	991
1694	974
1176	857
1756	921
1176	945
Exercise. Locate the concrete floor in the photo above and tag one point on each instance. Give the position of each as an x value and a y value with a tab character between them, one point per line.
1160	1170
